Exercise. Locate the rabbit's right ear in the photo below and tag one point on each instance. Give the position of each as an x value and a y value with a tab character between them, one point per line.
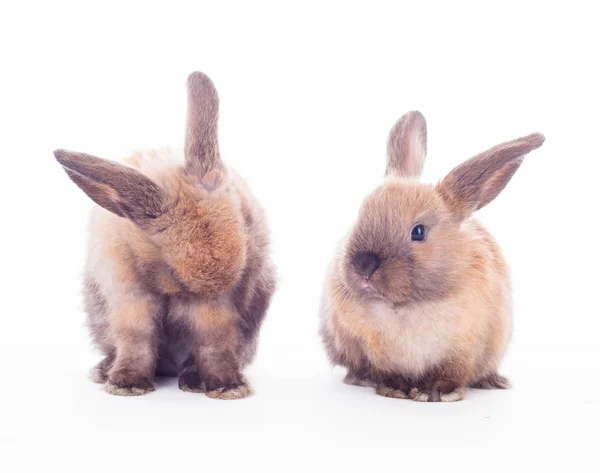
407	146
120	189
202	157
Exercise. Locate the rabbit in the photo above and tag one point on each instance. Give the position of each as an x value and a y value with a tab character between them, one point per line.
178	276
417	301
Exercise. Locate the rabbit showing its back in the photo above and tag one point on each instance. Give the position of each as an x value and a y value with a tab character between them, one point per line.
417	302
178	277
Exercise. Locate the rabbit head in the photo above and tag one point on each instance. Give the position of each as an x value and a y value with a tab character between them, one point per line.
191	217
405	246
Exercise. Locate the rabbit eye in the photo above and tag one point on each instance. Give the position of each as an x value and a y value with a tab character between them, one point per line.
418	233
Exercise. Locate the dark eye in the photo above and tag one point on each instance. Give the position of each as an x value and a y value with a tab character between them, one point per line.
417	233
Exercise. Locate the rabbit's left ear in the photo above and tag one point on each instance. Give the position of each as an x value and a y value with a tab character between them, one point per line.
407	146
476	182
120	189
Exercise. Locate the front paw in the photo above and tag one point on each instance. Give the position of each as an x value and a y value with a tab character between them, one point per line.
388	391
394	386
231	385
127	383
231	391
439	391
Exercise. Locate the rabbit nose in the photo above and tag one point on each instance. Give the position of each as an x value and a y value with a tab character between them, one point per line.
366	263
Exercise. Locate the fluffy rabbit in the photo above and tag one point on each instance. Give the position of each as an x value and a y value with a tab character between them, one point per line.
178	276
417	302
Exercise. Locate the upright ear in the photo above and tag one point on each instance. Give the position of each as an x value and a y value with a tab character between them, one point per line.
407	146
478	181
202	157
120	189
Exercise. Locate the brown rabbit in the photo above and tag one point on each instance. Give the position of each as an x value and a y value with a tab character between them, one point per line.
418	302
178	276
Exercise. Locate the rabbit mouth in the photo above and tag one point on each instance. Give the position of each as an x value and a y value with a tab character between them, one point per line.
375	289
364	287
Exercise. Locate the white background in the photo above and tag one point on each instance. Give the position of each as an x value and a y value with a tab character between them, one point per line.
308	95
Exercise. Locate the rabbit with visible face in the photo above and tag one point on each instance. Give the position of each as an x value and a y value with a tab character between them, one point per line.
418	302
178	276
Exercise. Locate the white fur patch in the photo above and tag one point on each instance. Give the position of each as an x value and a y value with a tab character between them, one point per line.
415	339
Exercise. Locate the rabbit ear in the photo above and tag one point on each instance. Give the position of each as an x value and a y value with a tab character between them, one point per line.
202	157
120	189
407	146
478	181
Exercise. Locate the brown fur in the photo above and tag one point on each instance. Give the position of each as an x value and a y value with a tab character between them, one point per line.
435	315
178	277
407	140
201	145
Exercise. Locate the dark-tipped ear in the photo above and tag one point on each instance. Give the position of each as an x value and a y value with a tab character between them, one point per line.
407	146
202	157
478	181
120	189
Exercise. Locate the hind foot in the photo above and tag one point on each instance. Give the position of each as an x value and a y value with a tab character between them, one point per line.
439	391
386	391
354	379
396	387
190	381
99	373
493	381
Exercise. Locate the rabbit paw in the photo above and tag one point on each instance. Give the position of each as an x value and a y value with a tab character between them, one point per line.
394	386
439	391
493	381
99	373
190	381
126	383
230	392
356	380
388	391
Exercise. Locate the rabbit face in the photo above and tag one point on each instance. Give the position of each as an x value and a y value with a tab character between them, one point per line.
401	249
